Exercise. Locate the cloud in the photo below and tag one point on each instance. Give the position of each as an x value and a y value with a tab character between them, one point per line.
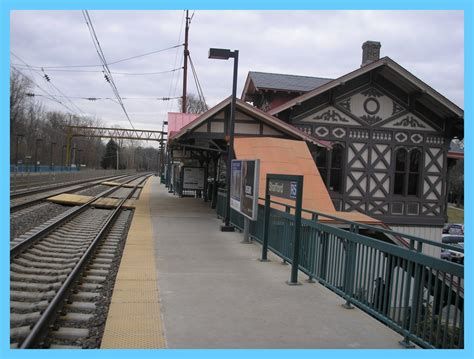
430	44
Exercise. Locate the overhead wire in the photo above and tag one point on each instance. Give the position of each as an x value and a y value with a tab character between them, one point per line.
110	63
48	80
175	61
48	95
107	72
202	99
113	72
92	98
40	71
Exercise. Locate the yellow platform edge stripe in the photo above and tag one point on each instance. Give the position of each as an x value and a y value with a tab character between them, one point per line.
135	320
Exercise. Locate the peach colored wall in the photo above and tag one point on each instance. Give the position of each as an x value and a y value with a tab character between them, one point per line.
286	157
280	156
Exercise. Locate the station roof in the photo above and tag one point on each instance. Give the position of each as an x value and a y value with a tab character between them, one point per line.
281	82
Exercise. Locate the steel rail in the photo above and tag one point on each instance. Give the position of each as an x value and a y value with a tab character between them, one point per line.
61	185
47	316
91	183
20	247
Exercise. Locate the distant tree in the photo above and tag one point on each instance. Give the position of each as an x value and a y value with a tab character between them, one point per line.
193	104
109	160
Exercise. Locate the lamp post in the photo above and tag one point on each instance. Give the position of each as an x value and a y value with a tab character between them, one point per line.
162	144
18	136
62	157
51	157
36	153
225	54
79	159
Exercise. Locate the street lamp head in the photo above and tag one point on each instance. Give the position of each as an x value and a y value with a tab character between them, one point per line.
220	54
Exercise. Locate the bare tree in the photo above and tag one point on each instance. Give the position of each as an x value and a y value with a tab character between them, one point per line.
193	104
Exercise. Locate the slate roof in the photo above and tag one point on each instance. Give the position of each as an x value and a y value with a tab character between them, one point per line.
265	80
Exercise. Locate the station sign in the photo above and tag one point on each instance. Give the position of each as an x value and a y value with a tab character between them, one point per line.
282	188
244	180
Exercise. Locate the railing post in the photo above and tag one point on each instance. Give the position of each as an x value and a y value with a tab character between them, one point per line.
265	226
416	293
349	267
296	243
405	325
323	237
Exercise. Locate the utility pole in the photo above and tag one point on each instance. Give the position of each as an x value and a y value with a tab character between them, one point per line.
117	157
185	67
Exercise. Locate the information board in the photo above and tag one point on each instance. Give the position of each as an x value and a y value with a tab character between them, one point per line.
193	178
244	187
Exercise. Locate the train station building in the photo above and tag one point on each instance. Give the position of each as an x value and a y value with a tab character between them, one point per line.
379	137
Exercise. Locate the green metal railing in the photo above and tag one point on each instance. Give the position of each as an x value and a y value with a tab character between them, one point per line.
419	296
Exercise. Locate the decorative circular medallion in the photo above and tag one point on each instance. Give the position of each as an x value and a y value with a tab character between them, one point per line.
371	106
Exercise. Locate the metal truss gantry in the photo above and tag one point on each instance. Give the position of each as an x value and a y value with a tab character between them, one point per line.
105	132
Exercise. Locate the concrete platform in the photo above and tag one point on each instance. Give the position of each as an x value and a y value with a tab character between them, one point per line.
214	293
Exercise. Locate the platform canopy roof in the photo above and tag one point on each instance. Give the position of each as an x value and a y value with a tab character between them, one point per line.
249	114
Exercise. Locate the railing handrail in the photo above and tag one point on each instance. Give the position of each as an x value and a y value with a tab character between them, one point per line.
370	227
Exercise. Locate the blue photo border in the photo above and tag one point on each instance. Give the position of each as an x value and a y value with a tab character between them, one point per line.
8	5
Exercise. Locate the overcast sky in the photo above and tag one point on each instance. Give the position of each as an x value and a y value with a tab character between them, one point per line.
429	44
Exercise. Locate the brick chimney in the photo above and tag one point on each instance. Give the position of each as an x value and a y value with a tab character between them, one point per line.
370	52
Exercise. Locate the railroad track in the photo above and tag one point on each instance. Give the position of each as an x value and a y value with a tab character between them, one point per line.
39	188
59	274
26	199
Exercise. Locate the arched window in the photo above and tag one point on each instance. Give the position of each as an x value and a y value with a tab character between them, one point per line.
414	173
335	178
330	165
400	167
407	172
321	157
